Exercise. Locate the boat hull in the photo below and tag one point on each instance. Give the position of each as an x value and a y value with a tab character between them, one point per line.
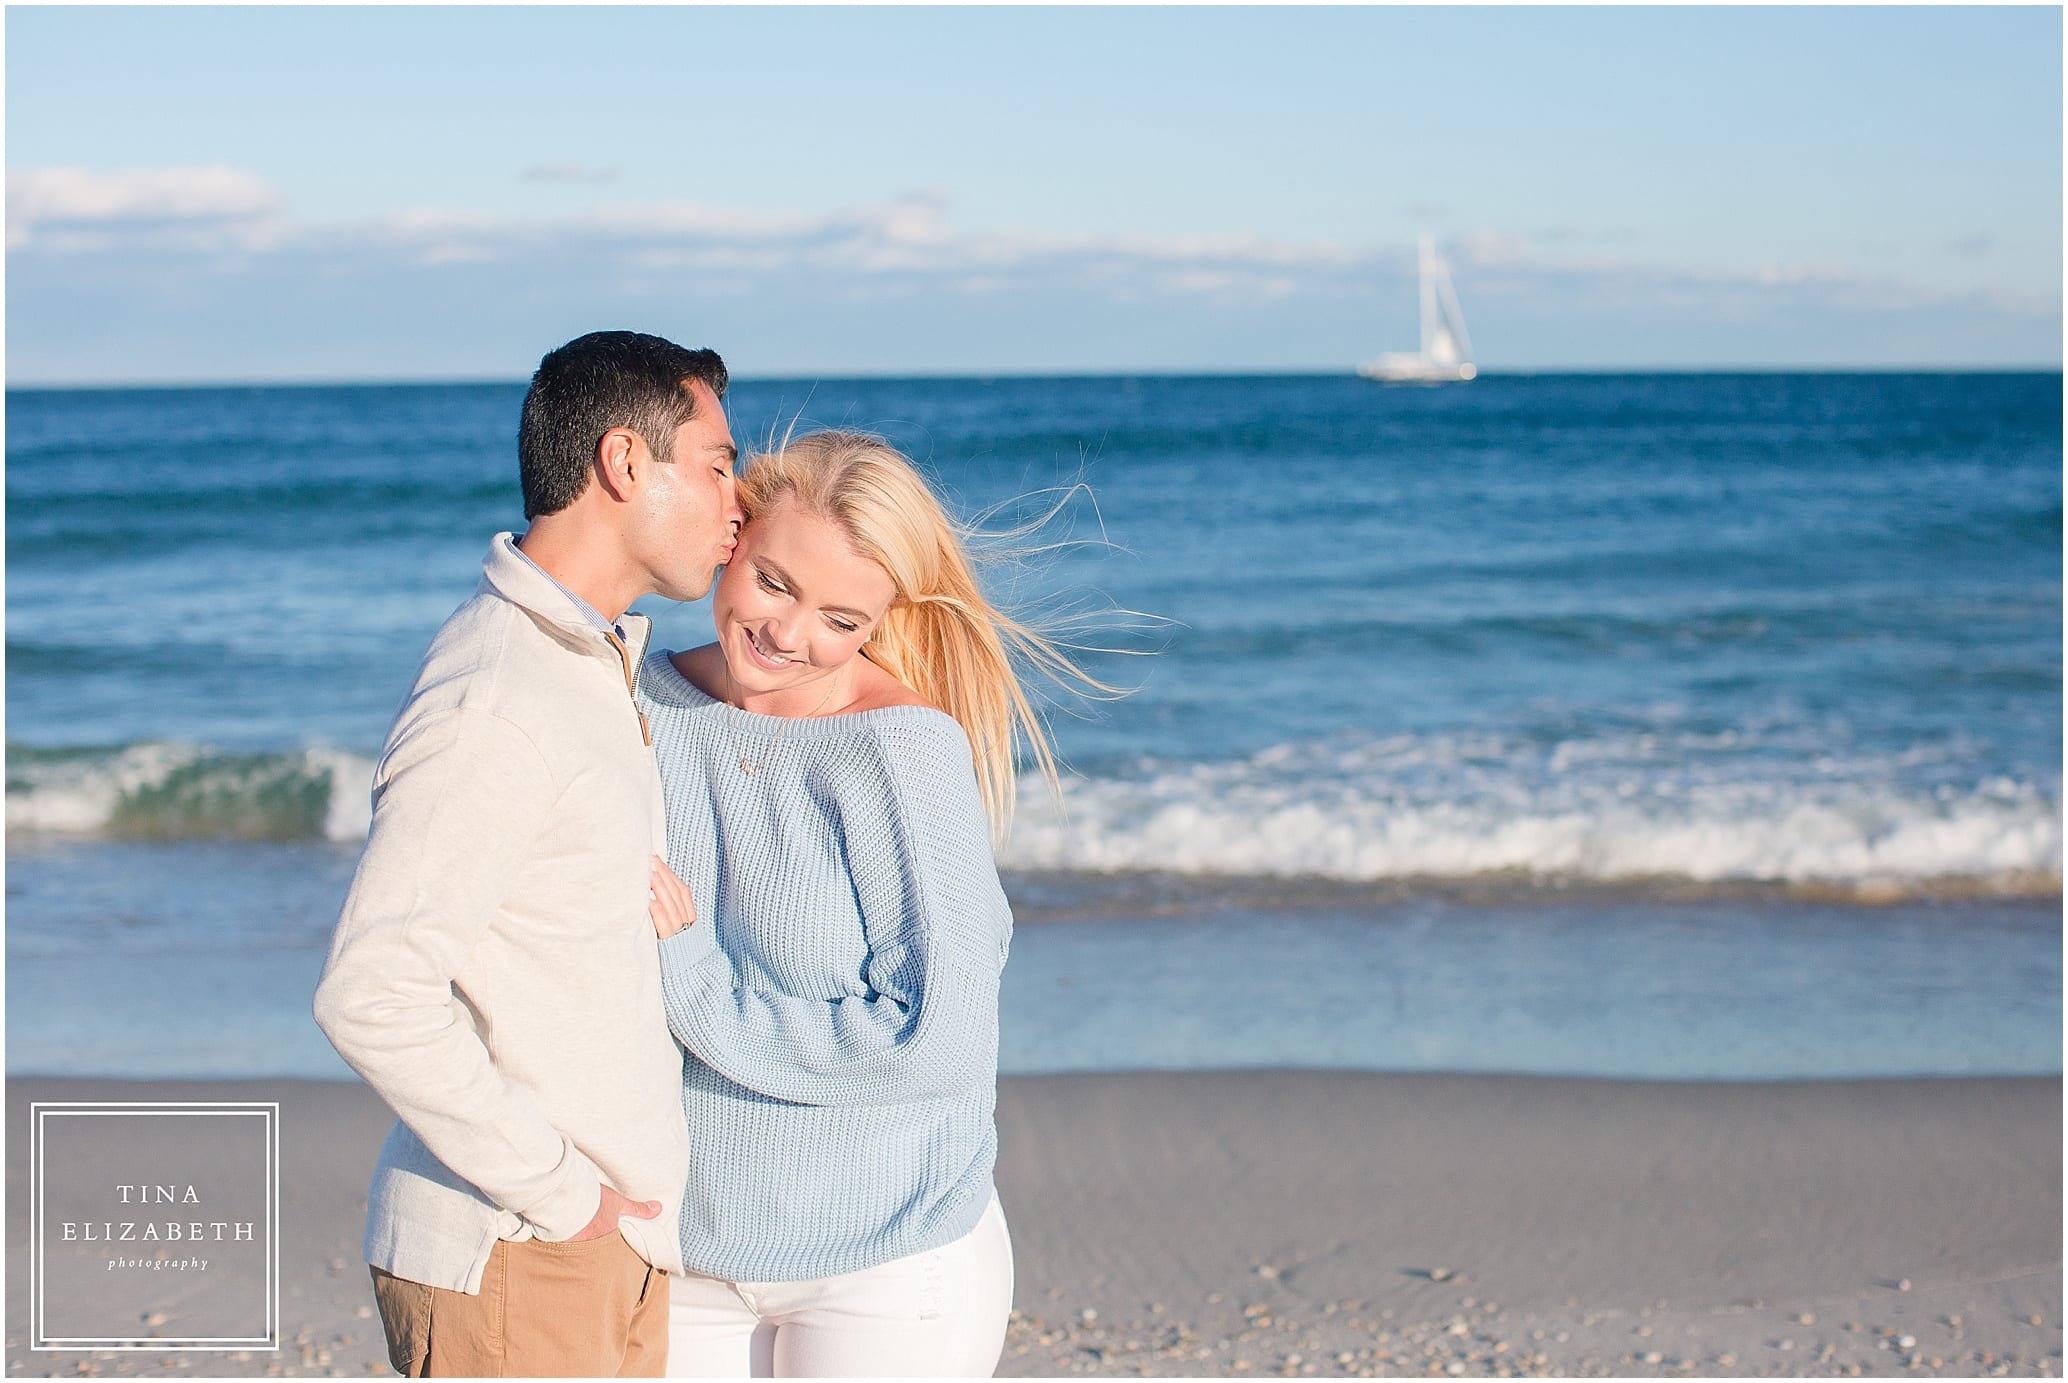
1415	369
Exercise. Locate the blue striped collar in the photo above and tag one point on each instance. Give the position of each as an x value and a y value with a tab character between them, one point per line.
589	612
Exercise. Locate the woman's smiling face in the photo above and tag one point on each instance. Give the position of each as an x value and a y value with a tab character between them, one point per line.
796	602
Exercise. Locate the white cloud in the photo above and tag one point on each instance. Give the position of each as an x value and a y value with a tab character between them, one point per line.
643	221
1501	264
86	208
1490	248
225	231
227	210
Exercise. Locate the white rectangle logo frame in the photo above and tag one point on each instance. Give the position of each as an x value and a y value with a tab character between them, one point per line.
268	1110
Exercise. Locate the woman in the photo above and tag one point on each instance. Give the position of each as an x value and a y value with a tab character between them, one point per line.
830	764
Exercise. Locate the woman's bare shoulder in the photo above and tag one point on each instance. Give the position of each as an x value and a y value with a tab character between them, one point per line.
880	690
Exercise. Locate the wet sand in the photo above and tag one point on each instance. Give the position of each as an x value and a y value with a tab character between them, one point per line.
1330	1224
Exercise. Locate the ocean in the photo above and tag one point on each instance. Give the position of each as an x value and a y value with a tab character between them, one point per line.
1655	726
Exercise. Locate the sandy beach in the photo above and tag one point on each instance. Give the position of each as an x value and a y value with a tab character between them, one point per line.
1330	1224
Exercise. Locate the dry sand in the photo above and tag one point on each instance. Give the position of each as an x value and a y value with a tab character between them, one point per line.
1305	1223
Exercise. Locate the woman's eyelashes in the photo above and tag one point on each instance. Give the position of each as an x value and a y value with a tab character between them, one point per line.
774	587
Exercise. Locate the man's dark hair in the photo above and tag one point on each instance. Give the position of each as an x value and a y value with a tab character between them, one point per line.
592	384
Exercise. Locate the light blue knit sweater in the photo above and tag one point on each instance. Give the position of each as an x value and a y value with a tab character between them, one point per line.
838	995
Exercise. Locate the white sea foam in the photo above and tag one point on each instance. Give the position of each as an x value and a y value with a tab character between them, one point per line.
78	794
351	793
178	791
1729	806
1605	809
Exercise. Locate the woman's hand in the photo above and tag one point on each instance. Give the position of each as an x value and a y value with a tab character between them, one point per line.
671	908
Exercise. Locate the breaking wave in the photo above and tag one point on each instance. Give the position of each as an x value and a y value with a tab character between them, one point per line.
158	790
1710	809
1722	808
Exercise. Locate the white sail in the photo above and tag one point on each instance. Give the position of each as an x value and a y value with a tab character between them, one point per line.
1446	352
1453	326
1442	346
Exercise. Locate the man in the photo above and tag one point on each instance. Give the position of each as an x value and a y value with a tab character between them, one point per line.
494	975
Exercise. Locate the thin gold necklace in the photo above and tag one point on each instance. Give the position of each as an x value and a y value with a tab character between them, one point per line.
732	712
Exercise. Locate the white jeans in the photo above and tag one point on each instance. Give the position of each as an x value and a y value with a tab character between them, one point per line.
938	1314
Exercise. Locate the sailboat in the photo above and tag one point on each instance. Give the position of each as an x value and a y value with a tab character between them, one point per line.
1446	352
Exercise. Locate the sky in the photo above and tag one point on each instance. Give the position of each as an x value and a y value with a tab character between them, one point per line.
257	194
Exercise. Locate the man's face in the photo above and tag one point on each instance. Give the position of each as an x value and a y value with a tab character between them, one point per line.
687	512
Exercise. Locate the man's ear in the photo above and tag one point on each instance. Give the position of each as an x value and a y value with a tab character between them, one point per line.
621	457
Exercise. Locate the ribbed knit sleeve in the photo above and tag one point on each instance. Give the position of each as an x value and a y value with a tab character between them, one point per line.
925	1022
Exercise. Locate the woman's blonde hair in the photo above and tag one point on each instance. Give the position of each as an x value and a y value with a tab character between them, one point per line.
942	637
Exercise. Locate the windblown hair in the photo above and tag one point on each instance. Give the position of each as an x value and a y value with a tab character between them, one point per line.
942	636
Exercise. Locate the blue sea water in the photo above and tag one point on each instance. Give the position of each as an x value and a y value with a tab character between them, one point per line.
1700	725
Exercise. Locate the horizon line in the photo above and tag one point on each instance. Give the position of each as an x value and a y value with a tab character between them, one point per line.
985	376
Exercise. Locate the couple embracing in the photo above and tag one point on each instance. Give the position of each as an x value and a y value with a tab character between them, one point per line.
681	971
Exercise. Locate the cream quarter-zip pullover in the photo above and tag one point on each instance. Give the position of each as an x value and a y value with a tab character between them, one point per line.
494	973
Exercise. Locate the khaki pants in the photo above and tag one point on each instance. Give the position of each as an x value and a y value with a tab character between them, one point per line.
590	1310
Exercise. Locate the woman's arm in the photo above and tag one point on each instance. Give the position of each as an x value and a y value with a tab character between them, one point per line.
927	1023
